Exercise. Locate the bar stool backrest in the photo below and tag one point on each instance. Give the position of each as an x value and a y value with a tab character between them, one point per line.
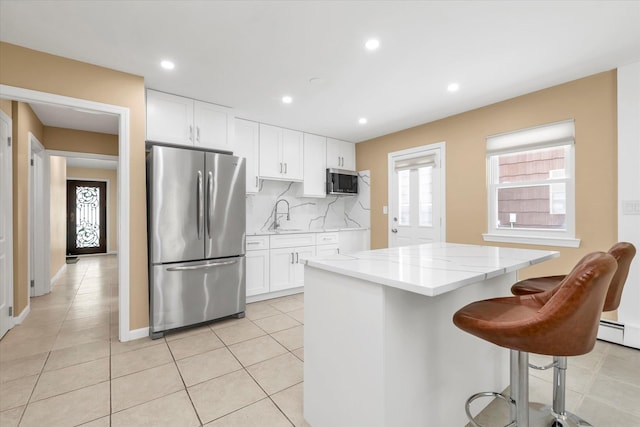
572	309
623	252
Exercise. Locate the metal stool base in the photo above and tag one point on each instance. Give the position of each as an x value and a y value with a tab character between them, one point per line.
541	415
467	406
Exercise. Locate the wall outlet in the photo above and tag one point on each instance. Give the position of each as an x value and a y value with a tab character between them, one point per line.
385	211
631	207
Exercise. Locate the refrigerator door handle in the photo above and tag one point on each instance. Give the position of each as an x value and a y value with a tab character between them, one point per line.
200	221
209	202
203	266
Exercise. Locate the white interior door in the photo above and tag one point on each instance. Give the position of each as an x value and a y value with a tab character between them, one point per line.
39	257
6	226
416	196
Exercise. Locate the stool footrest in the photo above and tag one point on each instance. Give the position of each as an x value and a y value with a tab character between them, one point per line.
467	405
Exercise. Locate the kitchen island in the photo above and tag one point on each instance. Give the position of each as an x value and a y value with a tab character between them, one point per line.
380	345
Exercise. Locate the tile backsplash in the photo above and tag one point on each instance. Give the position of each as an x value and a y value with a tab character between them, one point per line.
307	213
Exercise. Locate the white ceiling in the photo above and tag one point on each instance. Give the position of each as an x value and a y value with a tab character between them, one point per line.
248	54
70	118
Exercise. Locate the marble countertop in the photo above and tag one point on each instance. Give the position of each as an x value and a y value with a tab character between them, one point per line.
431	269
300	231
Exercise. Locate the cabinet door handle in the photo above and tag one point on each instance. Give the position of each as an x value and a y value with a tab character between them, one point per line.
191	133
198	133
291	257
338	160
297	257
280	167
256	182
285	168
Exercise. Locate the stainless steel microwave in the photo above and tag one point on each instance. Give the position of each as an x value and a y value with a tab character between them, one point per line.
340	181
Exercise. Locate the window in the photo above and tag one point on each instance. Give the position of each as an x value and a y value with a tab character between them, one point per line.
531	186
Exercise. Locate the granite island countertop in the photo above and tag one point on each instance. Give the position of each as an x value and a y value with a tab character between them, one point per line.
431	269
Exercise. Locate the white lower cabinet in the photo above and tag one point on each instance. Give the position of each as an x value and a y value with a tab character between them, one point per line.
275	265
287	268
257	263
327	244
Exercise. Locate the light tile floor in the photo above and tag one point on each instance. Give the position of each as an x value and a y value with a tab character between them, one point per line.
64	366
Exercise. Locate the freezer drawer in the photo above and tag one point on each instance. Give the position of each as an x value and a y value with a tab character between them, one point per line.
184	294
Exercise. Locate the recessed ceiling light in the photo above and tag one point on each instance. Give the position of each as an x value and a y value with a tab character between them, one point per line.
372	44
453	87
362	120
167	65
287	99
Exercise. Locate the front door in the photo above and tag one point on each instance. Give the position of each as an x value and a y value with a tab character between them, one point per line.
416	190
86	217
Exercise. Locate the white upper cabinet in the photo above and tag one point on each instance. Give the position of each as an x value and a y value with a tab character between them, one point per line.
246	145
341	154
281	153
315	169
183	121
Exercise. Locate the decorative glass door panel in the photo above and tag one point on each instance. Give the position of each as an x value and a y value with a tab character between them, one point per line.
87	219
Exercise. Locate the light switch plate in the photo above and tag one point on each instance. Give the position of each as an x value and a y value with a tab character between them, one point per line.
385	211
631	207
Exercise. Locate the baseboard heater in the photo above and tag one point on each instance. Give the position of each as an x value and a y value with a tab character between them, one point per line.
611	331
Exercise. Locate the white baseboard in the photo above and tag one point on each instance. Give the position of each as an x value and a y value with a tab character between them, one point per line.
136	334
276	294
632	335
112	252
60	272
19	319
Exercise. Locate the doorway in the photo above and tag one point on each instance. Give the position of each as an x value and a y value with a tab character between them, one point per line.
123	114
417	195
86	217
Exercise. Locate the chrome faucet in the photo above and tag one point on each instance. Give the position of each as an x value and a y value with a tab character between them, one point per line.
275	214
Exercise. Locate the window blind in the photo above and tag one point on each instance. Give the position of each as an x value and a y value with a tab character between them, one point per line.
549	135
415	163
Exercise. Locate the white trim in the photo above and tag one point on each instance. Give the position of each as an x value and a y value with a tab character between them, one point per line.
19	319
9	277
60	272
413	152
27	95
631	335
136	334
531	240
62	153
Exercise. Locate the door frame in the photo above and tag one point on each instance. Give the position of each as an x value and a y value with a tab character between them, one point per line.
39	228
9	231
419	152
102	206
28	95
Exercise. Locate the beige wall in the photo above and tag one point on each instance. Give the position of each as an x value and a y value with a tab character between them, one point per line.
80	141
39	71
58	212
111	176
590	101
5	105
24	121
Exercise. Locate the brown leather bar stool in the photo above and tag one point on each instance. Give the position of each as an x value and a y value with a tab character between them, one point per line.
563	321
556	414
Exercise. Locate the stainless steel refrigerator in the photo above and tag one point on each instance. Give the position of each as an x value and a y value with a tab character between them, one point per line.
196	225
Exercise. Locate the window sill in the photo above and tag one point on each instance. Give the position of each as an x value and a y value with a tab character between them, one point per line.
531	240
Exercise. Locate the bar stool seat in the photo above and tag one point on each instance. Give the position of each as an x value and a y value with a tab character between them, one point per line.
623	252
562	321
